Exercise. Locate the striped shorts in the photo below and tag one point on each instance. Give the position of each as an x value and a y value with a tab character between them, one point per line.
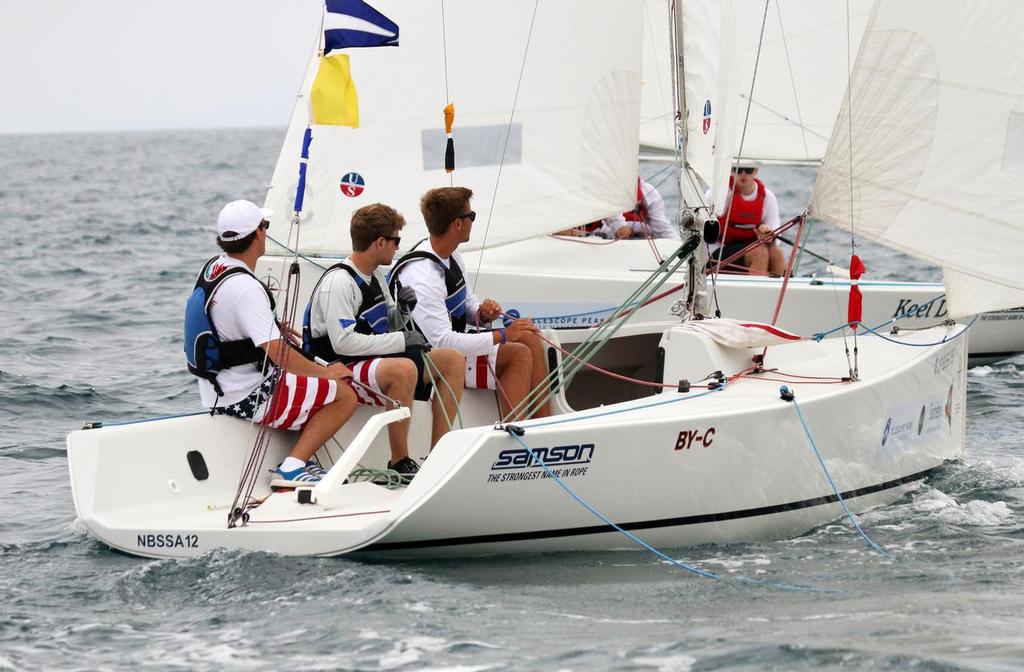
480	370
284	401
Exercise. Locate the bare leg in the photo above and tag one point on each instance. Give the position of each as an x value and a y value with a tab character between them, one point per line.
538	369
513	371
445	409
757	261
325	423
396	376
776	260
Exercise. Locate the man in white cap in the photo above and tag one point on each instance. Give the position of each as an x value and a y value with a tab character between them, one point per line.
231	333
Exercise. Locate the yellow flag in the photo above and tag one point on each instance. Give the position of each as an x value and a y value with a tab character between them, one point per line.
333	96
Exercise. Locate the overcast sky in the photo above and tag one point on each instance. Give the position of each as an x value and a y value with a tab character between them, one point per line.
87	65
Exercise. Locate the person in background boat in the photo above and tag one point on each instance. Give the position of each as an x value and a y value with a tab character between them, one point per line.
752	213
513	356
290	392
352	317
646	219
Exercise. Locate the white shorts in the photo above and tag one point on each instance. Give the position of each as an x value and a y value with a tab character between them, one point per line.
480	370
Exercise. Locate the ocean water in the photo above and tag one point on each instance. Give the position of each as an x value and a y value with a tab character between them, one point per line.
103	235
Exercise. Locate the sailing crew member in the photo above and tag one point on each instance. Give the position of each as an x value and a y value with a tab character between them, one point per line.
512	356
289	391
753	212
646	219
353	317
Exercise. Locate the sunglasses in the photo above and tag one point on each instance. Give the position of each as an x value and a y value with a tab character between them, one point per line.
745	171
397	240
471	216
264	225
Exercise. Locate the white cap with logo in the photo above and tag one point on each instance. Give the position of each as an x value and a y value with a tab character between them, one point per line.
238	219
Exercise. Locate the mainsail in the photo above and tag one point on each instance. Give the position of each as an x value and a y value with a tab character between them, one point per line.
802	70
926	157
552	148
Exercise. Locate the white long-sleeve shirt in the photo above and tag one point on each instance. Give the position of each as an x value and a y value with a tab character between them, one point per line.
431	314
657	218
335	308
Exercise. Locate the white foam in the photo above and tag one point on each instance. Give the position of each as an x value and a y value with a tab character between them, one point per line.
678	663
975	513
410	650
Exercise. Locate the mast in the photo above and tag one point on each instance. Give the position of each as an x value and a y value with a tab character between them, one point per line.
692	209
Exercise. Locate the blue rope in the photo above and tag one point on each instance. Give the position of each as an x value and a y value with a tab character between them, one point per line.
162	417
673	561
678	563
625	410
849	514
296	253
923	345
822	334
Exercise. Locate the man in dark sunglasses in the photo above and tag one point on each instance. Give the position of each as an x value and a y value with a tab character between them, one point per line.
450	315
354	318
751	212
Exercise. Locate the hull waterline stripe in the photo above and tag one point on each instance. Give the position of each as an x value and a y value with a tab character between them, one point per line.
649	524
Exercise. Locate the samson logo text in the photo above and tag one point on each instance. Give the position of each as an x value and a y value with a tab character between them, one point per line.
560	456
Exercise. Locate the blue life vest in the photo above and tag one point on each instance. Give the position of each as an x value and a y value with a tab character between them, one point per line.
371	317
205	352
454	283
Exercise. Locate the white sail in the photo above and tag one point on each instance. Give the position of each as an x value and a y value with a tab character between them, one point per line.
933	137
801	78
564	140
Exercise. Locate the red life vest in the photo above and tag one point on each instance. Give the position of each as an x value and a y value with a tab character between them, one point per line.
744	215
639	213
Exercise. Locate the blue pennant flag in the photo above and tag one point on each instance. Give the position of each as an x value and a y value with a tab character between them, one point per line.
353	23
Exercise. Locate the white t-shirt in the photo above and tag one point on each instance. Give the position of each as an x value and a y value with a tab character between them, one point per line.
430	312
334	310
239	309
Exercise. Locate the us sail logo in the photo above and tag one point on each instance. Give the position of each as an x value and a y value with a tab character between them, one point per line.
707	116
352	184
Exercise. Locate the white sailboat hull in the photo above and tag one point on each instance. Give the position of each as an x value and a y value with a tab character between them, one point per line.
677	468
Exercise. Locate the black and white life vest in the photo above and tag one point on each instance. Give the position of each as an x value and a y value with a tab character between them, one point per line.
370	318
454	282
205	352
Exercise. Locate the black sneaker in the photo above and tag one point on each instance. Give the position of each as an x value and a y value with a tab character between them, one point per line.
406	468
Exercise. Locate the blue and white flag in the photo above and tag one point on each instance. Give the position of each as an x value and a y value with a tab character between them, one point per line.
353	23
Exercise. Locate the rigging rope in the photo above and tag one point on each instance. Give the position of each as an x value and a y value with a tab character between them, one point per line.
504	146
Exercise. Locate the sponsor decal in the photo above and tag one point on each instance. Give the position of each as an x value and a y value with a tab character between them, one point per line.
934	308
944	360
352	184
688	438
555	315
167	540
907	424
707	116
519	464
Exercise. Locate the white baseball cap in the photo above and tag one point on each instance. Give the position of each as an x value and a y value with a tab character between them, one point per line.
238	219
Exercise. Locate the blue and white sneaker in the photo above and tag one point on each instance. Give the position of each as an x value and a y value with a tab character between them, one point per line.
313	467
303	477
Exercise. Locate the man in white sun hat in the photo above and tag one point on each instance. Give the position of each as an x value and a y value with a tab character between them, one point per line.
246	368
